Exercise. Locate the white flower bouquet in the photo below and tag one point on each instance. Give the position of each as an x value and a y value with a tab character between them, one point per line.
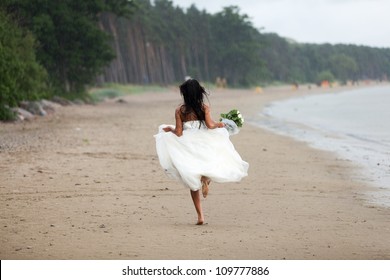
233	121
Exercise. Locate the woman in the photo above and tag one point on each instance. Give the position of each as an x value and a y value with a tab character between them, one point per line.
198	150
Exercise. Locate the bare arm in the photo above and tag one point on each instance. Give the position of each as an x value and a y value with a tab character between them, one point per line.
209	121
179	125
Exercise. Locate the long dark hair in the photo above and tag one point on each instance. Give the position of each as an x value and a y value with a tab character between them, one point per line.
193	94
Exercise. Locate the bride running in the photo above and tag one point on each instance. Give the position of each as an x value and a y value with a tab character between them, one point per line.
198	150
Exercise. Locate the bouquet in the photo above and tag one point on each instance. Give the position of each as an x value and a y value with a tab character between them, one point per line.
232	120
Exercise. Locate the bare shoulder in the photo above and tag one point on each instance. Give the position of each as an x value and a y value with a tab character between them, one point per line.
179	109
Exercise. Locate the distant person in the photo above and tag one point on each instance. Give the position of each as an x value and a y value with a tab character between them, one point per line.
197	150
218	82
224	83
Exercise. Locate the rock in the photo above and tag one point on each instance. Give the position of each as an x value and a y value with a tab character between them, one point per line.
120	100
49	106
23	114
61	100
48	103
78	102
34	107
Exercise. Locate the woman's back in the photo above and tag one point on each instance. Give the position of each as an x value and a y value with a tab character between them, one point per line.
188	114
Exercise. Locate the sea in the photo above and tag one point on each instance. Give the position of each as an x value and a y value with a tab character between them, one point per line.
354	124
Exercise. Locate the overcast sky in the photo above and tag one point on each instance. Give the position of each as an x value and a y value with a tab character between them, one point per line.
360	22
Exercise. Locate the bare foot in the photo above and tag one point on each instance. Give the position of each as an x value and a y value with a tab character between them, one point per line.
199	223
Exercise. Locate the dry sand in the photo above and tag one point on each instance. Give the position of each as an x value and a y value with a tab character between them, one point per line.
85	183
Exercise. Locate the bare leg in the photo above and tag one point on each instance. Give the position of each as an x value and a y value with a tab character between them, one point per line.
205	185
196	199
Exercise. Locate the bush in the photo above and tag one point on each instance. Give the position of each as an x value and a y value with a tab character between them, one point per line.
325	76
6	114
21	77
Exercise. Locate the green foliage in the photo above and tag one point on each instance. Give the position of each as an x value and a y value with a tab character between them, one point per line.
343	66
325	76
162	43
235	116
289	61
6	114
72	47
201	45
21	76
234	47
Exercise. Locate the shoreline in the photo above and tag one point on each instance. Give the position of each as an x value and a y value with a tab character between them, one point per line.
86	184
330	140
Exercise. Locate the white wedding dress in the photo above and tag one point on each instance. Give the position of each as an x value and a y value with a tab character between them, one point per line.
199	152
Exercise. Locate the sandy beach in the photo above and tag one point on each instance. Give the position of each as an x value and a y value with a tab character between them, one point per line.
85	183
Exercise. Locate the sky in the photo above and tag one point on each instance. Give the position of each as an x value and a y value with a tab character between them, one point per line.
359	22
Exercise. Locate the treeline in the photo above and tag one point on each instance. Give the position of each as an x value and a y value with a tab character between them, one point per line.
163	43
52	47
60	47
288	61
